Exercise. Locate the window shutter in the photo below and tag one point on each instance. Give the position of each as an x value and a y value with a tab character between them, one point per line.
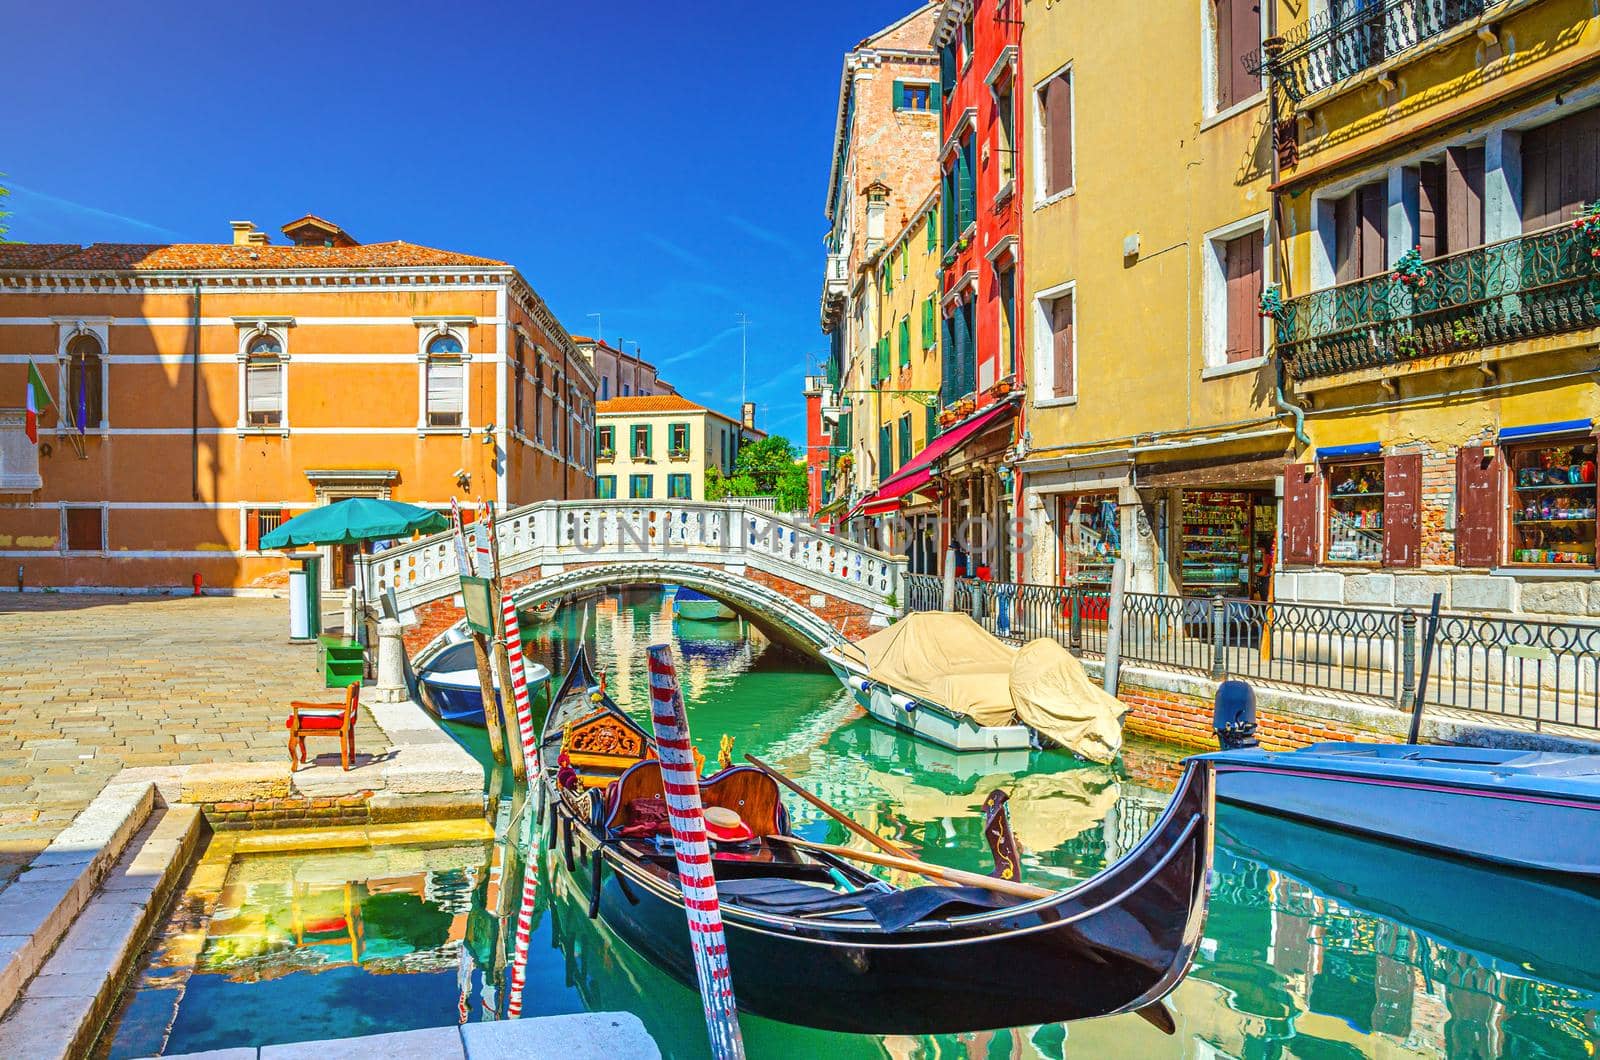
1559	169
1245	37
264	388
1402	510
905	342
927	323
885	453
252	530
1346	253
1242	264
1058	134
1374	226
1222	18
899	95
933	229
1463	197
1061	346
1478	507
1302	486
966	195
1432	237
444	387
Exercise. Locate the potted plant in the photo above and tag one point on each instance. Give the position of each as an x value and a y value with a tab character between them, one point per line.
1410	271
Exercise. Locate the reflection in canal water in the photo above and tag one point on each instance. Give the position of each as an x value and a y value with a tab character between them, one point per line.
1317	944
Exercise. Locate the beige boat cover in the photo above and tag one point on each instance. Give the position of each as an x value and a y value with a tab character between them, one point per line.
1054	696
945	658
948	659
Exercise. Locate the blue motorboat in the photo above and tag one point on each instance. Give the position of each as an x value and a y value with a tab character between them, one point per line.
1527	809
698	607
447	683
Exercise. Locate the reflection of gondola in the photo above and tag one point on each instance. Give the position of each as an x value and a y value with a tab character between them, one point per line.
712	641
1527	925
814	940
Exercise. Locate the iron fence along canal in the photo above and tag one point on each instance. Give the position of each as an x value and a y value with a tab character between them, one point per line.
1542	672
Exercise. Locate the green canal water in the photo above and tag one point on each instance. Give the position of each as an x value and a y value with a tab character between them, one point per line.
1316	944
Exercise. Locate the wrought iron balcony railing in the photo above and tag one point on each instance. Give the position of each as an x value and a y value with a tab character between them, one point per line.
1542	283
1353	36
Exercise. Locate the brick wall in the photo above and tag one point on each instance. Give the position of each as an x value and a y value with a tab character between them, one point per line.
1438	501
1184	719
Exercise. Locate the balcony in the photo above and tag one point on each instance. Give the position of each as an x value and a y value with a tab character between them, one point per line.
1338	44
1543	283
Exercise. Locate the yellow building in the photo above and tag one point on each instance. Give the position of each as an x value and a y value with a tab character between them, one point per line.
1441	310
899	405
1150	423
659	446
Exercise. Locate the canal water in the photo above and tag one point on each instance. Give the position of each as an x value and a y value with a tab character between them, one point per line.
1316	944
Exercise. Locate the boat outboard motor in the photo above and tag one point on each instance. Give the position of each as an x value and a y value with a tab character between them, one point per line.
1234	715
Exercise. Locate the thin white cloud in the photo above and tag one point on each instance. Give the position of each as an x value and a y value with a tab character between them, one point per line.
21	194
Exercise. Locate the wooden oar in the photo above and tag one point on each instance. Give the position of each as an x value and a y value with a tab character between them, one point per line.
921	868
838	815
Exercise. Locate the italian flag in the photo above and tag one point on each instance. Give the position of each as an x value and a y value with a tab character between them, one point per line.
38	401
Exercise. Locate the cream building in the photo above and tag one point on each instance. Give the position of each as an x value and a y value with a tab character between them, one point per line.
659	446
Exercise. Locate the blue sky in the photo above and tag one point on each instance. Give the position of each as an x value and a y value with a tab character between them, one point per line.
662	164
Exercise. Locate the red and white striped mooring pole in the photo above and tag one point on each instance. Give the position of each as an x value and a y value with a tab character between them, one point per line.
519	675
682	783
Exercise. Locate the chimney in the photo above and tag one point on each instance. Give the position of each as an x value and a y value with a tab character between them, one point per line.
747	415
258	238
242	231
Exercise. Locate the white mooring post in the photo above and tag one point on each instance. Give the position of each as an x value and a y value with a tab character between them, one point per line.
1114	626
948	602
391	664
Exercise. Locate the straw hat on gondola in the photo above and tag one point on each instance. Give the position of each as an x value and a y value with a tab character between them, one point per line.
726	826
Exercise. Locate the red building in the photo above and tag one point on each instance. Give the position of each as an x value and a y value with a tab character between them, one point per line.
819	443
979	43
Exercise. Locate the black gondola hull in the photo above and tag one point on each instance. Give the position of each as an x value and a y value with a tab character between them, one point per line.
1114	944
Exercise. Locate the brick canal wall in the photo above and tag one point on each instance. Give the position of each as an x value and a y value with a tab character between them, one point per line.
1176	708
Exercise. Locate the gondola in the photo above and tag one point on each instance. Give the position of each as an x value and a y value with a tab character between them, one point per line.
816	941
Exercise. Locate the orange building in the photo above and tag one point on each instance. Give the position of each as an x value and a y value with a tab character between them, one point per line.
225	387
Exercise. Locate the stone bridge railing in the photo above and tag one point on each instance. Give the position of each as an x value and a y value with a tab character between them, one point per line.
723	534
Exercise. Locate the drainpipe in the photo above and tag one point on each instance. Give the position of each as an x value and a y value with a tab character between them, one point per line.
194	397
1274	222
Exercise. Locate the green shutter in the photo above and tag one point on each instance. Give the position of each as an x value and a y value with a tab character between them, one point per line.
899	95
933	229
905	342
885	454
930	429
966	195
929	333
888	273
905	439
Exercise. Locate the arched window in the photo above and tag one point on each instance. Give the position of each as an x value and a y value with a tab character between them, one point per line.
84	404
446	398
263	382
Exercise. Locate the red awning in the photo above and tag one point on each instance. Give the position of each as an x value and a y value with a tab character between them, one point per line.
919	469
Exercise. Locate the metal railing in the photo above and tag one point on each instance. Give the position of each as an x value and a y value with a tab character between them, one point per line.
1542	283
1354	36
1543	672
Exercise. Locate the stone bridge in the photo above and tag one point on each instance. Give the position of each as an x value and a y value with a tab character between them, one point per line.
800	585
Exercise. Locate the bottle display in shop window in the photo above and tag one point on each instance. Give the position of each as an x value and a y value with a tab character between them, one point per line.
1355	513
1217	547
1552	504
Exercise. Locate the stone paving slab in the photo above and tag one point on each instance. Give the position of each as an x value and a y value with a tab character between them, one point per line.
579	1036
93	684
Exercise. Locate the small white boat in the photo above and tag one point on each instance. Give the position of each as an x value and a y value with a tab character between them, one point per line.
923	717
698	607
942	677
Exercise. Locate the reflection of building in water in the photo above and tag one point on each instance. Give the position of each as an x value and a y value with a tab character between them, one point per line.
1373	975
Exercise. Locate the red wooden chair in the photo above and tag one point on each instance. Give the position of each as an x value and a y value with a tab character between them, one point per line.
331	719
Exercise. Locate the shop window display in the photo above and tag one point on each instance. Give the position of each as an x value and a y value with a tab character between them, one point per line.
1355	513
1091	538
1552	507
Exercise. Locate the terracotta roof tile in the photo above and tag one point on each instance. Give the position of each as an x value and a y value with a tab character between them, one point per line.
157	256
649	403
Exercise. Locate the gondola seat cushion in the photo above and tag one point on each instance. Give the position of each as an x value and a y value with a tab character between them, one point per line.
748	791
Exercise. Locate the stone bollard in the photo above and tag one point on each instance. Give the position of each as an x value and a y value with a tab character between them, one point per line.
391	664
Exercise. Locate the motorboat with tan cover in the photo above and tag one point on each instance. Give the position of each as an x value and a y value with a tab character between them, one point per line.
941	676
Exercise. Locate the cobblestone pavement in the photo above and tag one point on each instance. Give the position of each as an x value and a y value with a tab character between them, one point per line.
91	684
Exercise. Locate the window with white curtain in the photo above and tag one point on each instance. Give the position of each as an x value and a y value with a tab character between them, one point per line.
446	400
263	382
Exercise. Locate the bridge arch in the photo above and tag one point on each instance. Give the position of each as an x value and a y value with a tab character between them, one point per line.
767	607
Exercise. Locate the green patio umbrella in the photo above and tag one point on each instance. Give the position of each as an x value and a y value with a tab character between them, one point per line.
351	521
